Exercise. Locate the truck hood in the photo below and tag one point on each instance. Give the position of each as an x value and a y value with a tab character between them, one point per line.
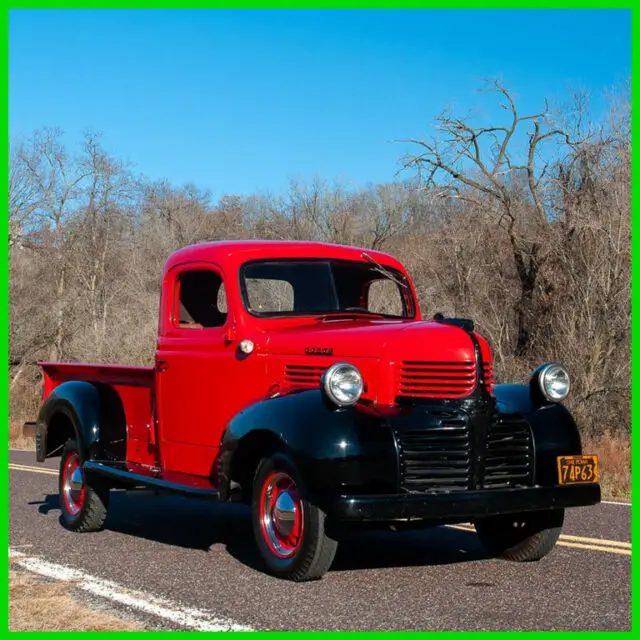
388	339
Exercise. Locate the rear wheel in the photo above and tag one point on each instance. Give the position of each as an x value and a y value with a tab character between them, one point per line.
521	537
288	528
83	500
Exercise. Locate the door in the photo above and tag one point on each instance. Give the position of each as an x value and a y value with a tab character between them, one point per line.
193	369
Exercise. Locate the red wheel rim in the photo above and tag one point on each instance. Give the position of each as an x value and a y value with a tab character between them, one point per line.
72	484
281	514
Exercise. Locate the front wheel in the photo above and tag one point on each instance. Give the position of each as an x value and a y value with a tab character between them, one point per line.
288	528
83	501
521	537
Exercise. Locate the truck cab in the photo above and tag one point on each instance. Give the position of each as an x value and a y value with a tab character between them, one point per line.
242	322
301	379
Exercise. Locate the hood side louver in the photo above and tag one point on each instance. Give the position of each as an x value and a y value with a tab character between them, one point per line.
299	376
436	379
489	382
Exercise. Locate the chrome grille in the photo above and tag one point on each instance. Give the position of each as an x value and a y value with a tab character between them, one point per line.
437	458
446	454
509	453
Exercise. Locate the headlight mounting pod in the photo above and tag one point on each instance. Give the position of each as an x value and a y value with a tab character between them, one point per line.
342	384
550	383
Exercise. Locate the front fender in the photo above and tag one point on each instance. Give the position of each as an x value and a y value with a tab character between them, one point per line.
79	403
555	432
345	450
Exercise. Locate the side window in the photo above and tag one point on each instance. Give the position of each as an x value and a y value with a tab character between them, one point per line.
201	300
385	297
266	295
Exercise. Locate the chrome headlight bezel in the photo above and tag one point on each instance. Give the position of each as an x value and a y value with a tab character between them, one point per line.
330	379
545	374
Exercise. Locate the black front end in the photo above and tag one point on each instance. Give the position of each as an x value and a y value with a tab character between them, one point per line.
457	461
463	446
492	452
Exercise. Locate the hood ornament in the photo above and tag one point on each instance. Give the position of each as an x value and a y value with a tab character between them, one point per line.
463	323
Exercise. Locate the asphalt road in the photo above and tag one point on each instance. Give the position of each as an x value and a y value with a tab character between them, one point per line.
202	554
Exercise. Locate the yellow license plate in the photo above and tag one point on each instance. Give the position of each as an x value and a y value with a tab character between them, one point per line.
577	469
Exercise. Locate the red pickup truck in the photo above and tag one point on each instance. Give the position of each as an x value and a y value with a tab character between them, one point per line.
301	379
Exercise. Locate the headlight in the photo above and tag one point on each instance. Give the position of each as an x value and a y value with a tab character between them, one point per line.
554	382
342	382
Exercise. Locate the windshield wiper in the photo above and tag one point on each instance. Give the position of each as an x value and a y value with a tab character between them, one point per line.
383	270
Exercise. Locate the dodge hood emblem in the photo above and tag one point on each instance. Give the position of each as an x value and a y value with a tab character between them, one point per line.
319	351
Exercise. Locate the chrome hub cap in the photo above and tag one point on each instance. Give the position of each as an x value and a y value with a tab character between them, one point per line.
284	514
281	515
72	484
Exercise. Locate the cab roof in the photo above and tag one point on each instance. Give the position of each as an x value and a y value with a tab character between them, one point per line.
233	253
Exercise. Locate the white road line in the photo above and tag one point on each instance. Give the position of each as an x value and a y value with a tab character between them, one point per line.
621	504
22	467
190	617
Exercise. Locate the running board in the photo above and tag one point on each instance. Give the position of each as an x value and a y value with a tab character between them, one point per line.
159	484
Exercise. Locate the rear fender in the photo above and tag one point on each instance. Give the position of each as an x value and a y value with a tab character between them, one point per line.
555	432
90	412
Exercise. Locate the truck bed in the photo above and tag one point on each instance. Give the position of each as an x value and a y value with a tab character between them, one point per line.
131	387
56	373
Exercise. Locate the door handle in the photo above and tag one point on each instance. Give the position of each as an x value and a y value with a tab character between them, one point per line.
162	366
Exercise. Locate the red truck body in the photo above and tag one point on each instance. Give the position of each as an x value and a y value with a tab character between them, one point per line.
176	412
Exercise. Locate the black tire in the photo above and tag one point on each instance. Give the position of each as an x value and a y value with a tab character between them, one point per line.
311	556
522	537
88	512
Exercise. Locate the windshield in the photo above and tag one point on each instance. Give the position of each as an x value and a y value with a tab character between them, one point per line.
320	287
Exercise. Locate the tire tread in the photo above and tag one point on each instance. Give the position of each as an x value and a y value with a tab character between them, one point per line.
542	531
315	565
534	547
93	514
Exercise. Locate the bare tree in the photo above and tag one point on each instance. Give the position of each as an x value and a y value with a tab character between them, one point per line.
24	196
54	182
481	166
534	245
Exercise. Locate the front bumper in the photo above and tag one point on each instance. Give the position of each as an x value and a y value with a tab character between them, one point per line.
462	506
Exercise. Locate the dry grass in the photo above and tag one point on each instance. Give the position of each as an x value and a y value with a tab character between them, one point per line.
42	606
17	440
614	455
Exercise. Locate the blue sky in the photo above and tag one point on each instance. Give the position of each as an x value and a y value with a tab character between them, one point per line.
243	101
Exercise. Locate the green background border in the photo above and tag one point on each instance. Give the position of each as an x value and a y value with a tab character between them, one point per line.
105	4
